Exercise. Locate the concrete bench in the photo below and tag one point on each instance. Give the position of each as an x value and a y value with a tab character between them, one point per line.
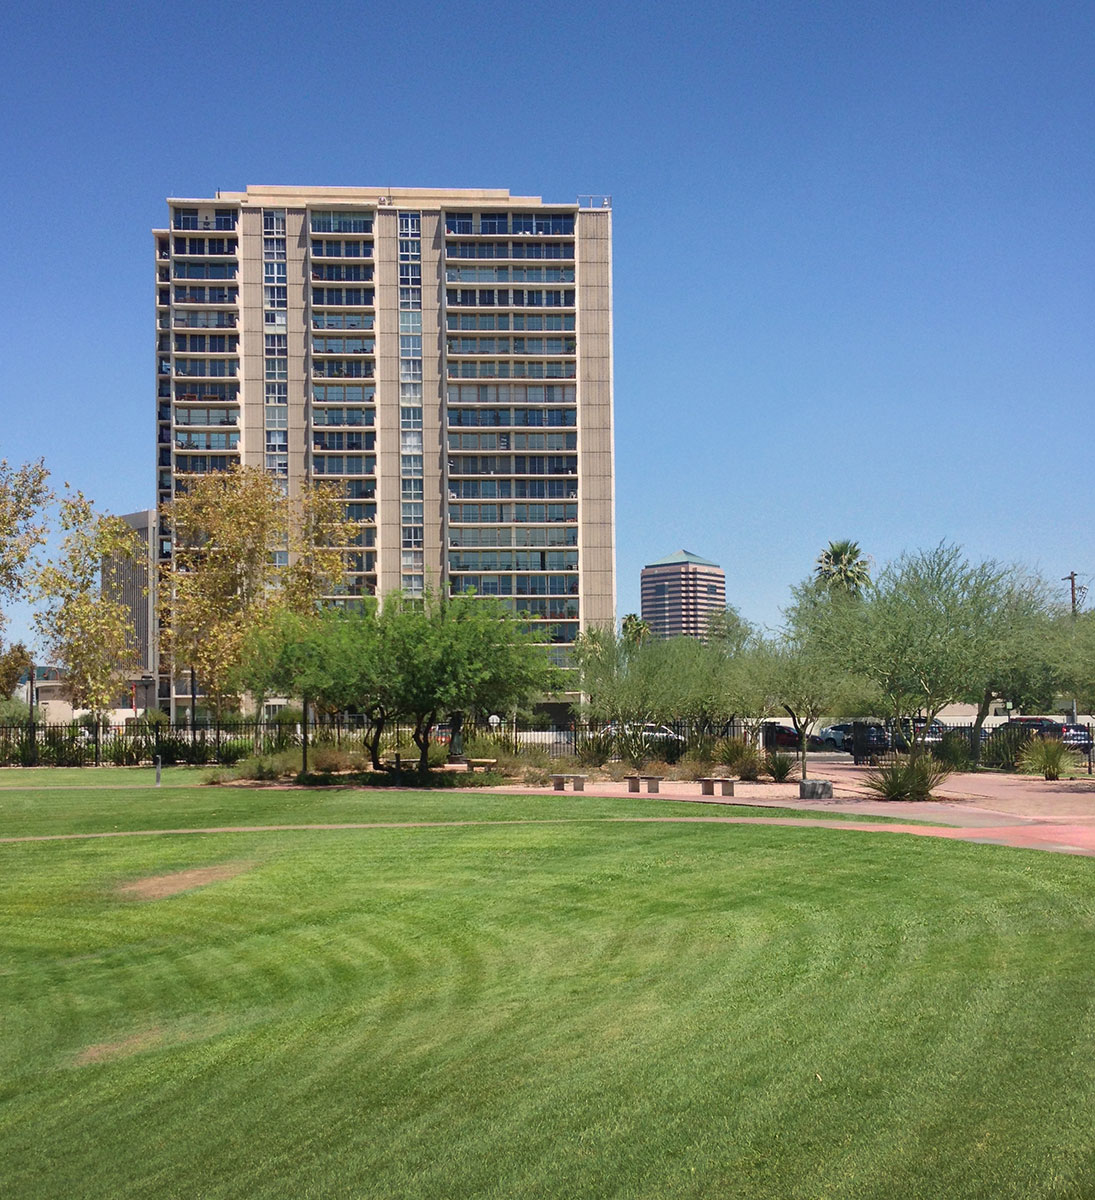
559	782
707	786
481	764
652	782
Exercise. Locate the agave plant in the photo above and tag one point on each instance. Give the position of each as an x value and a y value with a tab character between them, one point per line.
907	778
1047	757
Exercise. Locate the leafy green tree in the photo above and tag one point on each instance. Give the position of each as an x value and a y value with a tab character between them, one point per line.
841	567
416	659
225	577
15	661
24	496
805	684
82	627
921	634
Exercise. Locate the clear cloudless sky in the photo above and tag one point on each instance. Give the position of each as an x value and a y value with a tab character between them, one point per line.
852	241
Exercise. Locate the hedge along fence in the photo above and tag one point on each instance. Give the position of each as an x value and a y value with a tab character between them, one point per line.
227	742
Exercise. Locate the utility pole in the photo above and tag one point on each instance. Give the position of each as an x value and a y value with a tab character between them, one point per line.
1071	579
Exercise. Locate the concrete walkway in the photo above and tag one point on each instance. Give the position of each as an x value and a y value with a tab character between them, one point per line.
1009	810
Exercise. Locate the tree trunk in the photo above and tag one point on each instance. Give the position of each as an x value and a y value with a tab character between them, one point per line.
982	713
372	737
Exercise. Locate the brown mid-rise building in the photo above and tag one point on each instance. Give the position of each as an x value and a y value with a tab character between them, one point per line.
680	593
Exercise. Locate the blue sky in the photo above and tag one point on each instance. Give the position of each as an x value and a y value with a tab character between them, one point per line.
853	242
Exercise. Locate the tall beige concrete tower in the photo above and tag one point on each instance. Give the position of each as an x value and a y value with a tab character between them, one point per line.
444	356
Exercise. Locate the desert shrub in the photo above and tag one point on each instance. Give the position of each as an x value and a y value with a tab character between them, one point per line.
779	765
728	751
907	778
269	767
694	764
750	763
328	758
1002	747
633	746
593	749
953	750
1047	757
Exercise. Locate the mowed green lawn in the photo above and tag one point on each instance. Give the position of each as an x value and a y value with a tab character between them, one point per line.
580	1008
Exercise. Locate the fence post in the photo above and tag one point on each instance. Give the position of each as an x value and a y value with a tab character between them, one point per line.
98	740
157	770
304	735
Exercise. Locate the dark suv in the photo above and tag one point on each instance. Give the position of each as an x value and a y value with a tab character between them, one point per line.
1075	737
866	741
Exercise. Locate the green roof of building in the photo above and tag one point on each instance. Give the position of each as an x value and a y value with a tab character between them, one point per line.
683	556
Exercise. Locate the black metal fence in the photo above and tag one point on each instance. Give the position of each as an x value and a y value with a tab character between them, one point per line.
227	742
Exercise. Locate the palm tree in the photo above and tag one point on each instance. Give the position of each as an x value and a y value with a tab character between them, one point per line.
635	630
842	568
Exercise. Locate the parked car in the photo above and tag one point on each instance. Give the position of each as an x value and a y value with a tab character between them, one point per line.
927	734
866	740
832	736
648	731
1076	737
781	737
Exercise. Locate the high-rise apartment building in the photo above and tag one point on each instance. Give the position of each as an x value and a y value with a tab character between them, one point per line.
445	357
680	593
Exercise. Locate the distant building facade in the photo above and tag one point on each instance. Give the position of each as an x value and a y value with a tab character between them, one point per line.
132	583
679	594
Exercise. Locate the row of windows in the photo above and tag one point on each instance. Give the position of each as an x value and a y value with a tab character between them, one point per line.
343	416
346	272
342	249
200	343
204	320
506	345
516	416
344	464
343	441
193	393
509	274
342	320
560	535
533	322
201	464
513	489
211	295
342	368
337	393
513	441
499	223
209	270
513	560
513	512
521	249
505	393
341	222
337	297
207	441
518	464
207	366
509	297
206	416
187	218
343	345
520	585
202	245
512	370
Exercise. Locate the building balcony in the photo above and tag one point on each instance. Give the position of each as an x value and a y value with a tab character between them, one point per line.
205	320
